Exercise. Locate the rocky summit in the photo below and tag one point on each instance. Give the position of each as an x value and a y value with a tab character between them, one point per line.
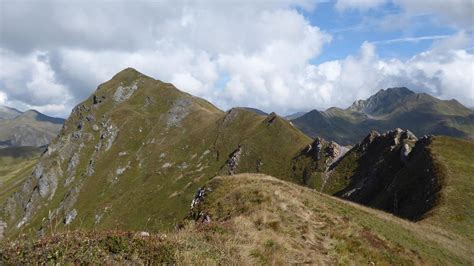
141	167
386	110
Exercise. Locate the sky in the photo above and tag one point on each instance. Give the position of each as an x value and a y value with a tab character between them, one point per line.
282	55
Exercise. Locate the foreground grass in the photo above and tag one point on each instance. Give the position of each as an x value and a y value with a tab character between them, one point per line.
455	212
257	219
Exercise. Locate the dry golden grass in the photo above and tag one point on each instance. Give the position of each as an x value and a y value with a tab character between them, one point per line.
257	219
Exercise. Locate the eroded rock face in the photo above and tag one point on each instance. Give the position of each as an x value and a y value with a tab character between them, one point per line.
70	217
179	110
405	152
124	93
233	161
395	173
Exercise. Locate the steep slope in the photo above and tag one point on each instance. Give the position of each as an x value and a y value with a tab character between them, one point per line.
257	219
426	179
30	128
387	109
134	153
16	163
295	115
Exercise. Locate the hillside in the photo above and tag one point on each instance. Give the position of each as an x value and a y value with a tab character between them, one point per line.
427	179
140	144
257	219
16	163
388	109
29	128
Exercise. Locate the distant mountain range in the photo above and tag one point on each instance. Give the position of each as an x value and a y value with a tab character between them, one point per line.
30	128
387	109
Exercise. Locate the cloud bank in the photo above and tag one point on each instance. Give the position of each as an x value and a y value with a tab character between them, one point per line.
54	54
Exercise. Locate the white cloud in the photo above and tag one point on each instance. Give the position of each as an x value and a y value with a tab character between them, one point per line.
443	73
29	80
246	54
359	4
3	98
258	46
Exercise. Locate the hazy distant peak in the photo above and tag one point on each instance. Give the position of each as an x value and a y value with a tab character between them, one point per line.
8	112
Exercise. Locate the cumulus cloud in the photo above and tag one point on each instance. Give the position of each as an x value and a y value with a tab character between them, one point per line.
3	98
190	44
29	81
245	54
445	73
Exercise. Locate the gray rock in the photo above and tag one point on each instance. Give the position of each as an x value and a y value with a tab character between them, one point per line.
124	93
233	161
70	217
178	111
405	152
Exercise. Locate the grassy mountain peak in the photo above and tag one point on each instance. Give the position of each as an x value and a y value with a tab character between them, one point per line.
137	141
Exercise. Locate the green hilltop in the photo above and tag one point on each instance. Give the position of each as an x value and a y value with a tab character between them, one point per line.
140	144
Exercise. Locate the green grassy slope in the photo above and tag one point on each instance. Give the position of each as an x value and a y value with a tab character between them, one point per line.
455	211
257	219
16	163
136	162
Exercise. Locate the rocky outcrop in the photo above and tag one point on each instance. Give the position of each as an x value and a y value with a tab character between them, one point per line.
394	173
233	161
179	110
124	93
70	217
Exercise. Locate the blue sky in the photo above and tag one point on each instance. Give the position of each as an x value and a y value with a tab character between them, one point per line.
350	28
280	55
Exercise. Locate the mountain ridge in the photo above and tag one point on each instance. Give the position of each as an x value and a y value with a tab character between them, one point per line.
29	128
388	109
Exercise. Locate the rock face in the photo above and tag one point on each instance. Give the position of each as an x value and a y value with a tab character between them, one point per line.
394	173
234	159
123	93
314	163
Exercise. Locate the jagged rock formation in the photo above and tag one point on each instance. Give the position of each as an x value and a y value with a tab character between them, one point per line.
313	164
30	128
391	171
388	109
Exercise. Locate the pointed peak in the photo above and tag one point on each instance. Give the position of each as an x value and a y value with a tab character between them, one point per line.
127	74
401	91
